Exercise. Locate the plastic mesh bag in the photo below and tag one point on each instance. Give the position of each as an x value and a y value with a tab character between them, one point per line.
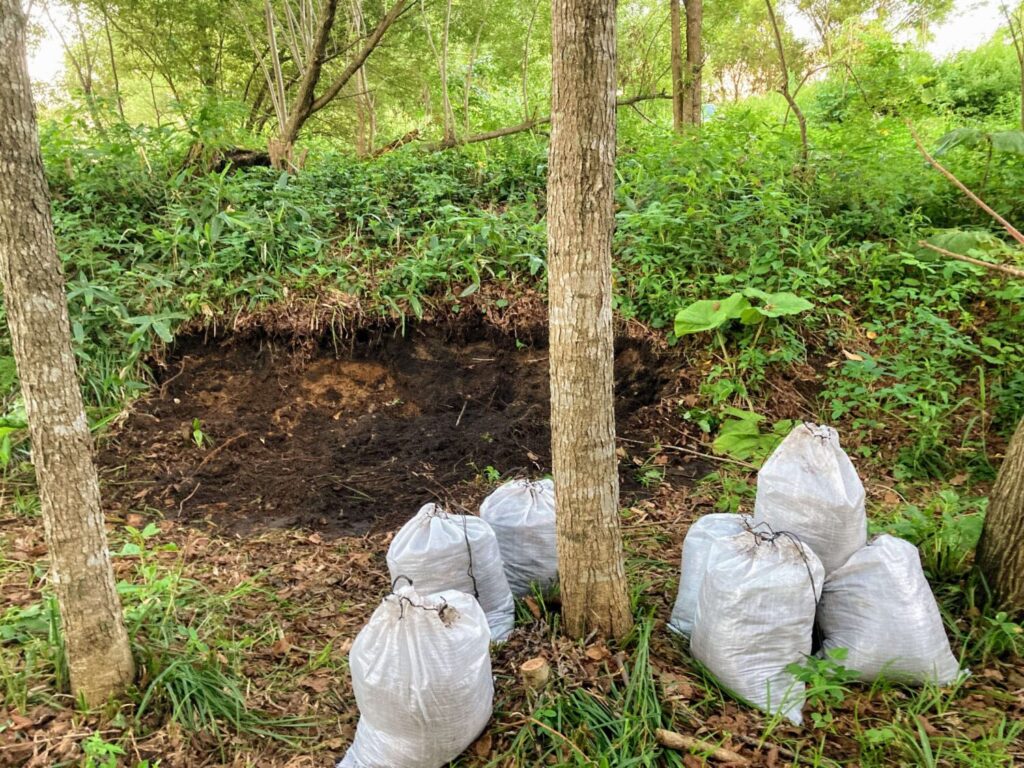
522	514
808	486
439	551
880	608
421	672
702	537
755	616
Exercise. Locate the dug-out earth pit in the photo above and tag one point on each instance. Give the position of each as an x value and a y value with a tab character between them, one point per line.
245	434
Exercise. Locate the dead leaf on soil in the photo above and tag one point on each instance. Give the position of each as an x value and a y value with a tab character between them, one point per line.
534	609
482	746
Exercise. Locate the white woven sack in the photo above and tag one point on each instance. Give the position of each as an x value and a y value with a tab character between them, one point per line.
439	551
700	540
421	672
808	486
522	514
880	608
755	615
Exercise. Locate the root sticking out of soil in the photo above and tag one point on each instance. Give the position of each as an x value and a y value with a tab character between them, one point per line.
244	434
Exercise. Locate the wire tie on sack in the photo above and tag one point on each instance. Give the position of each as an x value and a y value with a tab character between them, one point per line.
404	601
770	538
469	551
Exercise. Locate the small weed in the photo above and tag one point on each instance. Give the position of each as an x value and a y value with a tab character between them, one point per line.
198	436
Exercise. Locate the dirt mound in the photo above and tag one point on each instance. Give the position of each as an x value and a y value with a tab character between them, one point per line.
350	438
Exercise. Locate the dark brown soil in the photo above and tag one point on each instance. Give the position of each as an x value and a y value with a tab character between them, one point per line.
345	440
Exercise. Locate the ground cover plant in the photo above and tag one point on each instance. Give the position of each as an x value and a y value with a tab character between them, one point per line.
280	367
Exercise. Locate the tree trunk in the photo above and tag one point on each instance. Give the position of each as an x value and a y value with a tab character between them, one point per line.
305	105
98	653
581	219
787	94
1001	548
694	62
678	119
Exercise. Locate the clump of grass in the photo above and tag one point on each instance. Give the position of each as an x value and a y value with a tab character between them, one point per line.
575	725
190	665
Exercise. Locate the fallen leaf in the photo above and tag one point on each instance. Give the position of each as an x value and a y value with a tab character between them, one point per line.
482	746
958	479
853	356
930	729
598	652
20	722
534	609
872	335
318	684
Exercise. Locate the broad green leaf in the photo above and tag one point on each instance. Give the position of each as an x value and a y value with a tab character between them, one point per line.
751	316
708	314
1008	141
779	304
967	137
964	240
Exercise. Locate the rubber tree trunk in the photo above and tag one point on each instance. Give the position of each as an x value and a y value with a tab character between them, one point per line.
694	62
678	118
580	224
1001	549
98	653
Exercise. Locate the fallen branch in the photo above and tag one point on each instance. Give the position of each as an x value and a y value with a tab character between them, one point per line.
678	741
523	127
1014	232
399	142
693	452
1004	268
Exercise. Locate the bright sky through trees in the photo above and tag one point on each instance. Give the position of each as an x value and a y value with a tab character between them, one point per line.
973	22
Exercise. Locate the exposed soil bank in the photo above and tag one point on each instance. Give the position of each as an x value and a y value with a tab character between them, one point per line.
348	439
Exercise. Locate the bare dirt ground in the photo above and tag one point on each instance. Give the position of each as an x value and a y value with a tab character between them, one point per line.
351	437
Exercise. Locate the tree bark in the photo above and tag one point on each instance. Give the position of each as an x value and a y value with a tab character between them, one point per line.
305	104
98	652
694	62
1001	548
784	86
581	220
678	119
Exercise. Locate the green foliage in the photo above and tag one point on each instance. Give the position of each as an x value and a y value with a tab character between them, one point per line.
740	436
826	679
997	141
945	531
190	672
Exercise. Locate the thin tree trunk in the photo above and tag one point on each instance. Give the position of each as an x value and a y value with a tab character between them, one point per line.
1001	548
581	220
677	67
468	84
441	57
302	104
784	87
1017	33
526	62
113	65
694	62
98	652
